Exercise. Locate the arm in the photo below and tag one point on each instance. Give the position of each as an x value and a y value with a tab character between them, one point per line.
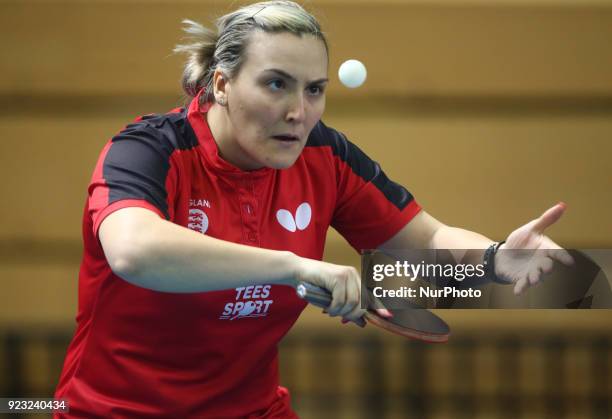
425	232
153	253
519	268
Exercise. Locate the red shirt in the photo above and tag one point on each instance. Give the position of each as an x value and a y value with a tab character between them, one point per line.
139	353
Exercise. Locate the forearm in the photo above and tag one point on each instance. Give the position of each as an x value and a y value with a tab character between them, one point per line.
163	256
425	232
465	246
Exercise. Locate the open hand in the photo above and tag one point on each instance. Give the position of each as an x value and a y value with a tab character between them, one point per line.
533	254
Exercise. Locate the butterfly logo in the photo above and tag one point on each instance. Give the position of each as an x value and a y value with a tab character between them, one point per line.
303	215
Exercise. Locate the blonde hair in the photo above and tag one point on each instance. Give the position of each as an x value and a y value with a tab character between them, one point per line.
208	50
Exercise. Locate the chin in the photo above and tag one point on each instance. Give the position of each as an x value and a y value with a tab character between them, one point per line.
281	163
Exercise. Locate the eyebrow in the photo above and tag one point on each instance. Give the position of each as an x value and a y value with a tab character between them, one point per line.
290	77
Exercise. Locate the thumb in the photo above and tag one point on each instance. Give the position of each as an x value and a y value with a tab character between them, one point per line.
383	312
549	217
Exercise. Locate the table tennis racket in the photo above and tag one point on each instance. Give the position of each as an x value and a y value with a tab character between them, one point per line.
411	322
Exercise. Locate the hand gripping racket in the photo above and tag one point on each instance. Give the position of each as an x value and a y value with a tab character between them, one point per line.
413	323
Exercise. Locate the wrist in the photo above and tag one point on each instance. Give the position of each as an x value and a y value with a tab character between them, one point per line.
293	268
497	272
490	262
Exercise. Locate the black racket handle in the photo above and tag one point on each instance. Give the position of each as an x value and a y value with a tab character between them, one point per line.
317	296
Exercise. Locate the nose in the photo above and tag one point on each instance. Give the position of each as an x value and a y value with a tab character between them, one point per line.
296	113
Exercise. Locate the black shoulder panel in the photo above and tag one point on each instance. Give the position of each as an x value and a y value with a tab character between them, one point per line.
359	162
138	161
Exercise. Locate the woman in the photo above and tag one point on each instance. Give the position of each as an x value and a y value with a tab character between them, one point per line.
200	222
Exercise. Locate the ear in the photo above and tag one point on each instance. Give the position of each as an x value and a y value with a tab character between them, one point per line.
220	87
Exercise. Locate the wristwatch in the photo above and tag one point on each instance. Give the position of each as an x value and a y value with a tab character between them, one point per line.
489	263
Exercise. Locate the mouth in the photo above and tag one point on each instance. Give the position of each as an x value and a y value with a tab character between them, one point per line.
288	138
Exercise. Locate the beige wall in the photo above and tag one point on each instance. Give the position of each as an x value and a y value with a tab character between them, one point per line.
488	111
415	48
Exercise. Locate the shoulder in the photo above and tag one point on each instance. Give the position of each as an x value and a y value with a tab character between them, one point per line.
340	147
324	136
168	132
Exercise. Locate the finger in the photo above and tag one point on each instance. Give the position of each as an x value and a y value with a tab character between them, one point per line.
562	256
549	217
338	298
352	296
534	274
520	286
383	312
349	306
355	315
546	266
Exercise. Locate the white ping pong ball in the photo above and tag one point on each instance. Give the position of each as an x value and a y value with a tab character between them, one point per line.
352	73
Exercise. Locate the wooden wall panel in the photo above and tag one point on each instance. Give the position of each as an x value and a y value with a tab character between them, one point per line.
410	48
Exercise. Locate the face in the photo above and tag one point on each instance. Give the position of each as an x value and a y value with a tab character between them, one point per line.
274	101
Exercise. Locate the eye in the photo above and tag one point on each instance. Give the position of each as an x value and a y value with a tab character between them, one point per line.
315	90
276	84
